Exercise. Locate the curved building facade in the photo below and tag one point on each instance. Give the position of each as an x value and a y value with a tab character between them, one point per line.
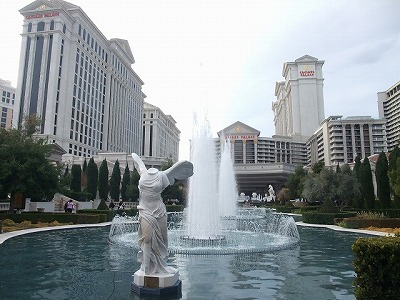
260	161
77	82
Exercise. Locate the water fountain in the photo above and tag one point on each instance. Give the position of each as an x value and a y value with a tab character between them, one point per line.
203	188
227	189
212	223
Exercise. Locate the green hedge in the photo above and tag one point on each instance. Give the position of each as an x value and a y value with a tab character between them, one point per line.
36	217
304	209
108	214
364	223
174	208
377	265
316	217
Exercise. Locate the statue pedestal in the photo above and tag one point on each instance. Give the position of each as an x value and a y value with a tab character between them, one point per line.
156	284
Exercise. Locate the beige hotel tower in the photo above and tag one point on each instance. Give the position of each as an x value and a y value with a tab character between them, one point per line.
299	108
79	83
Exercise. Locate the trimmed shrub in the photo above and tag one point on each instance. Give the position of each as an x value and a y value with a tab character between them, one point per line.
107	215
307	208
364	223
377	265
284	209
328	206
102	205
315	217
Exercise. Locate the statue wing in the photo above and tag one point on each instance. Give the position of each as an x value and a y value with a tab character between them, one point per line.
139	165
179	171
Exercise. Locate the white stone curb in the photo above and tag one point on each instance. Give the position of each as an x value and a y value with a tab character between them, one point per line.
8	235
338	228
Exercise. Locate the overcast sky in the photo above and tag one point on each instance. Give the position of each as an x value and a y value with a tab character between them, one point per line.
223	57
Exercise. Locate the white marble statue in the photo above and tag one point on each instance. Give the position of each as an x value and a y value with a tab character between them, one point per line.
153	239
271	193
271	190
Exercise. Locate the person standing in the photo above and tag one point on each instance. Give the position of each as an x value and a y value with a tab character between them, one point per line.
70	206
112	205
121	205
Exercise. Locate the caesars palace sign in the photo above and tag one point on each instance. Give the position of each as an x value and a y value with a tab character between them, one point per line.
241	137
40	16
306	71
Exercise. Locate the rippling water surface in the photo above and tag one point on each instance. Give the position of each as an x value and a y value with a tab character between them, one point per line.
81	264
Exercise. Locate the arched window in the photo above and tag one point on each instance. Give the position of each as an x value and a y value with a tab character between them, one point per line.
40	26
52	25
29	27
64	29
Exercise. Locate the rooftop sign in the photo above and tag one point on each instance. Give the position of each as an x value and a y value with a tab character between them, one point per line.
40	16
306	71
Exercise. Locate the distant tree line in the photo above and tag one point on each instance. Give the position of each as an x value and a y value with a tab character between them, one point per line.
26	170
348	187
116	187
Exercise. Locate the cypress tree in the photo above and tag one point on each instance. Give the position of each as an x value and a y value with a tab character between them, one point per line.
92	178
76	174
103	180
115	182
359	200
125	183
393	156
382	181
65	181
394	176
367	186
133	189
84	176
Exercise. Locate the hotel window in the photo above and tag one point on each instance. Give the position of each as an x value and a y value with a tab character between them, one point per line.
238	151
40	26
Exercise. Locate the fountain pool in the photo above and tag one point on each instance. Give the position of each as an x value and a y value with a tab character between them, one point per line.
81	264
212	223
251	230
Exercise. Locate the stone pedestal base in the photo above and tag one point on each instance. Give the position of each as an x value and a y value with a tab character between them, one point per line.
156	284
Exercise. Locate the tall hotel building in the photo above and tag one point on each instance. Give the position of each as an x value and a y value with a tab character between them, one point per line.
80	84
160	136
7	93
339	140
299	108
389	109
